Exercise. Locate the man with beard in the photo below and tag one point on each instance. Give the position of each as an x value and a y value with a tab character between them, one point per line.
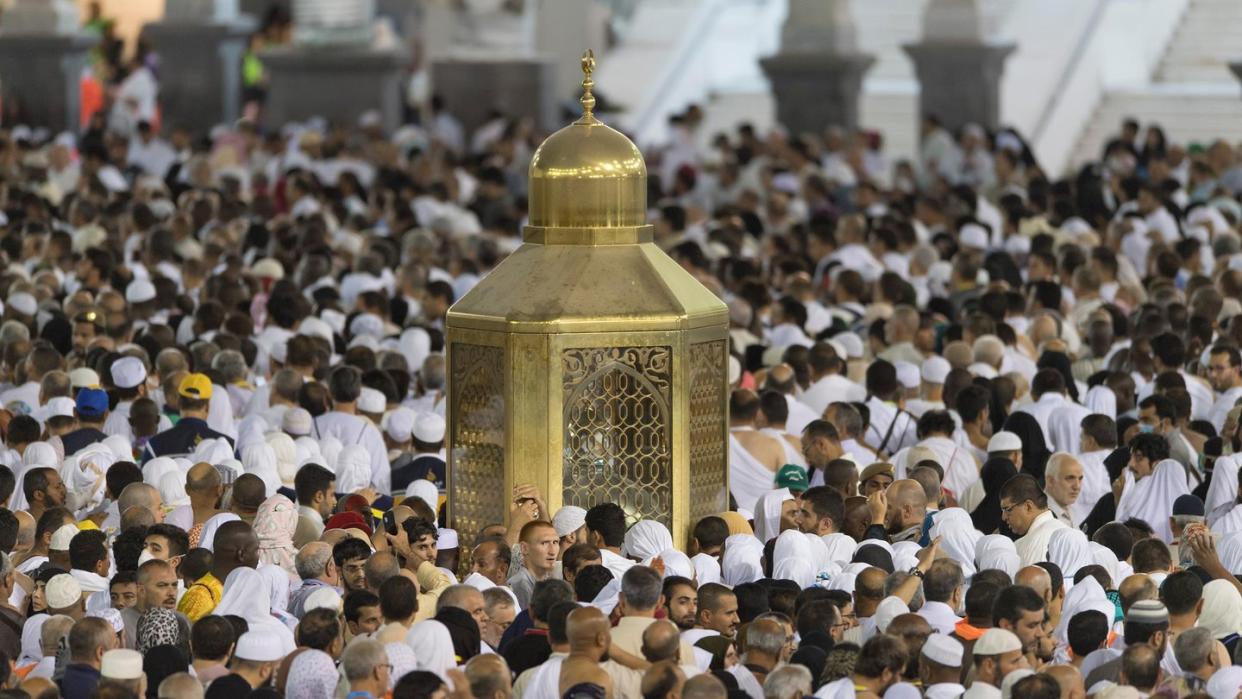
897	513
681	601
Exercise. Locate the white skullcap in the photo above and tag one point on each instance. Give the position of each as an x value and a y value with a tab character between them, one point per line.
996	641
936	369
83	378
890	608
568	520
447	539
23	303
323	598
61	537
399	424
1004	441
1225	682
333	320
60	405
110	615
939	648
424	490
259	645
972	235
268	267
140	291
429	428
128	372
296	421
852	343
907	374
371	400
121	664
62	592
314	327
367	324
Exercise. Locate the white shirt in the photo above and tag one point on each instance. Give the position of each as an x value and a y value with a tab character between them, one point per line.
118	421
830	389
1063	515
351	429
1033	548
982	690
940	616
799	416
1220	409
944	690
1065	426
617	564
27	393
883	415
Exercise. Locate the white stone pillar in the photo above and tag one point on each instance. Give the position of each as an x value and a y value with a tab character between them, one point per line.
959	63
42	55
333	22
817	75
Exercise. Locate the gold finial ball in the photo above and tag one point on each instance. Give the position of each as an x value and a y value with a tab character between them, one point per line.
588	175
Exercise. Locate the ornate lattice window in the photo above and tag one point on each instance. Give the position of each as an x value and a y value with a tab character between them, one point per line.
708	423
617	429
478	460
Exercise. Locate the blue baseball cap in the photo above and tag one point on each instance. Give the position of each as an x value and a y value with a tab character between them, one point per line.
92	402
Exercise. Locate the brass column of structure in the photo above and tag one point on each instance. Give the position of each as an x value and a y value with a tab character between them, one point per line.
588	362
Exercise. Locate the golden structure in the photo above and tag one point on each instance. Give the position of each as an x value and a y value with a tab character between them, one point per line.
588	362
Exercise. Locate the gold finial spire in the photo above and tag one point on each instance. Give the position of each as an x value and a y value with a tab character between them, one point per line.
588	99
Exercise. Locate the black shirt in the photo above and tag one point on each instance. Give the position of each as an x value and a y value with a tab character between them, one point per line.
412	467
181	438
80	439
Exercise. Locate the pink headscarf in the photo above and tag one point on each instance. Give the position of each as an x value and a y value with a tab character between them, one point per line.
274	524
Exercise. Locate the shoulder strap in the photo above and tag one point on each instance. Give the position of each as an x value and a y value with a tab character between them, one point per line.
887	435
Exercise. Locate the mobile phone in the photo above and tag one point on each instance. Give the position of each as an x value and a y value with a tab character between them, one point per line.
390	522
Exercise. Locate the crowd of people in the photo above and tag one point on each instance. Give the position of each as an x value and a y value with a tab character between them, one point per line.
983	430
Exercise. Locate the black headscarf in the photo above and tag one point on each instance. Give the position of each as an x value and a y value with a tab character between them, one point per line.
1061	364
987	514
463	629
1034	449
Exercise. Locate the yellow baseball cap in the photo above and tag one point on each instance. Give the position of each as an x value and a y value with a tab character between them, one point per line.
195	386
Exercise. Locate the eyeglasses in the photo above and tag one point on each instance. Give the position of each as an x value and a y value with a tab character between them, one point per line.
386	665
1007	510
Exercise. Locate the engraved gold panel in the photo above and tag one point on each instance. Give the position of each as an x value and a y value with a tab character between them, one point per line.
478	463
709	493
617	439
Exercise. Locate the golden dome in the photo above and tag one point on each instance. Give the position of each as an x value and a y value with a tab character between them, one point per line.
588	175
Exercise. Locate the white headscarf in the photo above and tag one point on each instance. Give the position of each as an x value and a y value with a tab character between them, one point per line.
1070	550
248	595
84	474
37	455
154	470
997	551
675	563
792	559
308	450
212	451
1222	609
32	640
1101	399
260	460
424	490
958	537
208	538
330	448
646	539
286	456
1222	490
768	513
742	560
1230	550
353	469
706	568
433	647
1151	498
172	490
1105	557
1086	596
278	583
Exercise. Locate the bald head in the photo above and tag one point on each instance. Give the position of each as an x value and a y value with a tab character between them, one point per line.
235	546
1136	588
780	379
139	495
1068	678
202	478
488	675
136	516
1037	579
704	686
663	680
182	685
587	629
907	492
661	641
904	625
959	354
